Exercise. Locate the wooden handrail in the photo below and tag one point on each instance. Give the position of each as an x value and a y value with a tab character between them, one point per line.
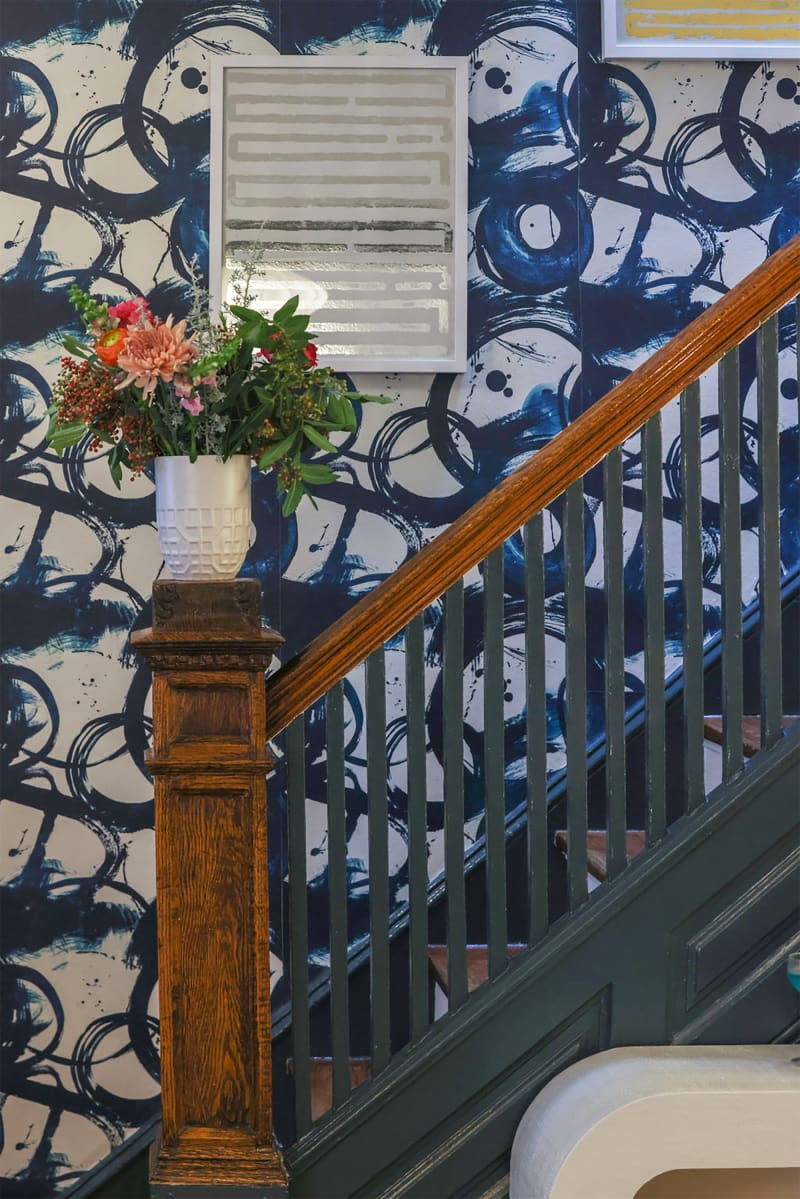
486	525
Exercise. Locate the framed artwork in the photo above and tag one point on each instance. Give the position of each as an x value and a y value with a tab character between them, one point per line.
345	179
719	29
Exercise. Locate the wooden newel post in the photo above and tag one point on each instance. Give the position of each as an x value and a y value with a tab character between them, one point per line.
208	653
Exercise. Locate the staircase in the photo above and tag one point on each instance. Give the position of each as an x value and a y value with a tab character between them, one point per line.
613	892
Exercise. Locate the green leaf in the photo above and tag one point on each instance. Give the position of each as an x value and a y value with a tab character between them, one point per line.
348	415
63	436
296	326
318	440
73	346
288	309
245	314
115	467
255	333
274	452
317	473
293	497
238	438
233	387
363	399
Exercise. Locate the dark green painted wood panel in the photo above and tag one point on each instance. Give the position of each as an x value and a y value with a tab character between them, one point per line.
298	921
692	575
614	674
494	758
618	954
730	432
538	848
575	684
378	840
337	884
417	826
769	549
453	764
654	624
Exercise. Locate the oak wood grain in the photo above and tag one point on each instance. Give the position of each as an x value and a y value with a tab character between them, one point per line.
618	415
209	762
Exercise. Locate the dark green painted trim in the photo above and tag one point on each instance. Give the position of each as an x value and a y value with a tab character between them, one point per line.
516	820
436	1117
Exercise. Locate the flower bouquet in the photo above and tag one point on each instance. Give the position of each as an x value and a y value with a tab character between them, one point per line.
246	384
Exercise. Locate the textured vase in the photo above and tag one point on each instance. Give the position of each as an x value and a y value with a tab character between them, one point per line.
203	515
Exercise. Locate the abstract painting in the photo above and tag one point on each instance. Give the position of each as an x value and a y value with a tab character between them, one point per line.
344	182
719	29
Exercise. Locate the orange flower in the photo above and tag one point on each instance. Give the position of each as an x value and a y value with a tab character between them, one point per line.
156	352
109	347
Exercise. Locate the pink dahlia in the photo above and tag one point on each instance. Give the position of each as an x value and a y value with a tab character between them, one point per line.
155	352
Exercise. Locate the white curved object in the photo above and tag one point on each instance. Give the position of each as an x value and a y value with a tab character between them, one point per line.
203	515
610	1123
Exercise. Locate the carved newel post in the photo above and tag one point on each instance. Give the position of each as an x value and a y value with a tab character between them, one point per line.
208	653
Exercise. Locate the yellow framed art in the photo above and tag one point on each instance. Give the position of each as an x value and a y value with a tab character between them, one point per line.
720	29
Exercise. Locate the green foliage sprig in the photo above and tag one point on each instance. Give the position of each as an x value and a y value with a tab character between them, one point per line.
249	384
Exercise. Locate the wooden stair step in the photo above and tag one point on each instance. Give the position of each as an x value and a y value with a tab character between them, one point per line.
597	848
477	964
751	731
321	1078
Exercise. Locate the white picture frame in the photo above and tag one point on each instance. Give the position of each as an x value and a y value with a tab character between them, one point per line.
715	42
435	327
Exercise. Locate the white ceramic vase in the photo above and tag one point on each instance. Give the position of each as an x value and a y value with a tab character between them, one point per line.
203	515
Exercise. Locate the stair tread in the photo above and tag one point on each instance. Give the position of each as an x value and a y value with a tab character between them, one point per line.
321	1078
477	964
597	848
751	731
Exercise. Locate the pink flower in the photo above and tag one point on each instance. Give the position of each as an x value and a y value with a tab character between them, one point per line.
131	312
208	381
310	352
155	352
192	404
266	354
183	387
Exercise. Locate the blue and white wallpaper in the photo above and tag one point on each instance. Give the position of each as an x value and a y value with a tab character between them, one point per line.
608	205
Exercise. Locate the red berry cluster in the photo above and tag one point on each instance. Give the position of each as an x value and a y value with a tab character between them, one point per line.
82	392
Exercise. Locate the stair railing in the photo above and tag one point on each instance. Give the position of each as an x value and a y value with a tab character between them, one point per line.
517	562
418	614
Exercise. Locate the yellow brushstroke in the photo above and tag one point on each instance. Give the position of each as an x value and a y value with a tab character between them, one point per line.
635	26
687	6
711	19
752	20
